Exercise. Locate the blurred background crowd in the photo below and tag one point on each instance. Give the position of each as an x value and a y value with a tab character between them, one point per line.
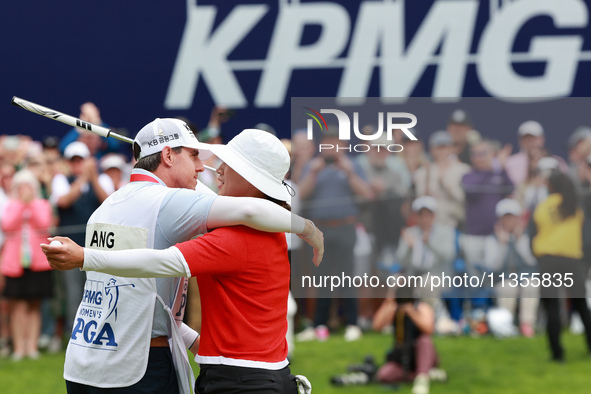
452	201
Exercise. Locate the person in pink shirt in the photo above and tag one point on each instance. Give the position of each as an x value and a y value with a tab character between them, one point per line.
26	219
531	147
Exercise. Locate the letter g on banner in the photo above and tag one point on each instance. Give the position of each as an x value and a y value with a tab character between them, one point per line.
559	53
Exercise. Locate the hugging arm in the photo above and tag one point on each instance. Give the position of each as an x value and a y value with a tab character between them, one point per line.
264	215
131	263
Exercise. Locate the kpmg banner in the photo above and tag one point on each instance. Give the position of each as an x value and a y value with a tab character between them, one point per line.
139	60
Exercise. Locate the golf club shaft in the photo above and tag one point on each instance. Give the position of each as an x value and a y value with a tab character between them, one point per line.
73	121
68	119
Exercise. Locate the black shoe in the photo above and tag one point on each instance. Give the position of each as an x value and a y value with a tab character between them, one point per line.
558	359
350	379
369	367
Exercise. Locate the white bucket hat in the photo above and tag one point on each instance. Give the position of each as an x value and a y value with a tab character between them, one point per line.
154	136
260	158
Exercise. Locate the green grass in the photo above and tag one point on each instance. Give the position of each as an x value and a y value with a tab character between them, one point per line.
474	365
42	376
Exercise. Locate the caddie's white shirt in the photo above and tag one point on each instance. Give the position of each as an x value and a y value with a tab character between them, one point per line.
139	215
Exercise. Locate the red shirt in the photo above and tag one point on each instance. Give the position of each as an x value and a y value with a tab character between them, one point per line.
243	276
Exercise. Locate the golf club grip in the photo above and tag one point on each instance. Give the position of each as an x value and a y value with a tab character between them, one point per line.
67	119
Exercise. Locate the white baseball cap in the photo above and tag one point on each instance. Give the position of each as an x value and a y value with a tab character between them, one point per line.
580	134
440	138
508	206
531	127
427	202
112	161
548	163
76	148
459	116
154	136
260	158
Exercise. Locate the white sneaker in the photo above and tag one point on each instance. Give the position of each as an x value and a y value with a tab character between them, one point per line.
308	334
387	330
34	355
43	341
364	323
437	375
576	324
4	348
17	356
354	378
446	326
421	384
353	333
55	345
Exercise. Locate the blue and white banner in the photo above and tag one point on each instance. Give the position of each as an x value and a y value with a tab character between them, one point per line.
138	60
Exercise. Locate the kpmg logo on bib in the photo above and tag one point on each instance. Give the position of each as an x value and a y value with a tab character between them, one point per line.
98	308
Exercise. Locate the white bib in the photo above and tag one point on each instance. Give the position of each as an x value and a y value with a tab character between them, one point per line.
110	342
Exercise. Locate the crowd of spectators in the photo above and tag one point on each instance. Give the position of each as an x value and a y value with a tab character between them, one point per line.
457	202
48	187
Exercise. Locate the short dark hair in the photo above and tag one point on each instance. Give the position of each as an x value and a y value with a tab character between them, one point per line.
562	184
283	204
151	162
405	295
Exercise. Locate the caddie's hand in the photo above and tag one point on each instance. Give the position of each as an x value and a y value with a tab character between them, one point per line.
64	257
314	238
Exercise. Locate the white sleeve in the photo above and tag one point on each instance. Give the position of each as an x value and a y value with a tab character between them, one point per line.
59	187
106	183
253	212
495	253
202	188
137	263
188	334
